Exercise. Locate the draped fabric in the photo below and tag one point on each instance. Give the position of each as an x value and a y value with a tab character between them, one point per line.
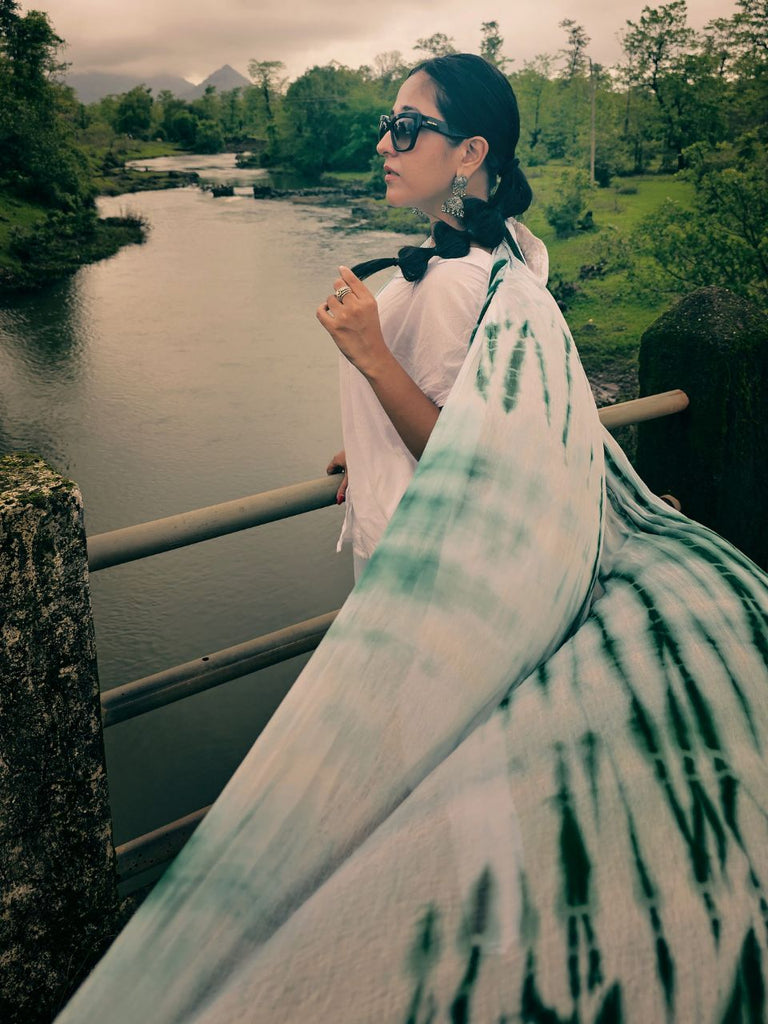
523	778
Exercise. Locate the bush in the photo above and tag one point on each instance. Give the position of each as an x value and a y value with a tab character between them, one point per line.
208	138
723	239
564	213
603	172
563	292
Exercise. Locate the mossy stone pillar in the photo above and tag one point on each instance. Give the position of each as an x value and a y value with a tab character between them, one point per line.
57	871
713	457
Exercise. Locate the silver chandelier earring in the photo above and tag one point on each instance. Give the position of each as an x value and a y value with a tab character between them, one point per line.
453	205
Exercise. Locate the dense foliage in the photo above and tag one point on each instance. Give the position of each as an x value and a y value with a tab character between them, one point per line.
679	101
46	189
38	156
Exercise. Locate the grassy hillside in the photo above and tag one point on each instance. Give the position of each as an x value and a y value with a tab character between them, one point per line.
609	293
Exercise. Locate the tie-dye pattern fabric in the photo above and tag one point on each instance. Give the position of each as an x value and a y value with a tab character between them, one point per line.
522	779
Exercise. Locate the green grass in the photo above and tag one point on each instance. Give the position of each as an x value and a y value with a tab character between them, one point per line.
35	250
608	313
15	213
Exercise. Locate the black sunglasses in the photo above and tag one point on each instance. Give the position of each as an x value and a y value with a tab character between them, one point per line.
404	129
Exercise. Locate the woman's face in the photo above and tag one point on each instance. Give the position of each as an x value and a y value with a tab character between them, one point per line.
421	177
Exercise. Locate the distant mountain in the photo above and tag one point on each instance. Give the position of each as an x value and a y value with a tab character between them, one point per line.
92	86
224	79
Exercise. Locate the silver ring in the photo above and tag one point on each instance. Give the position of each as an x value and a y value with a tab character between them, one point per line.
341	292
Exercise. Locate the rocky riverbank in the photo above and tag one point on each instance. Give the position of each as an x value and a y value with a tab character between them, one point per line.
130	179
366	212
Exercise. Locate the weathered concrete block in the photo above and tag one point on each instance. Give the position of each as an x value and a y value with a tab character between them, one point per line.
713	345
57	873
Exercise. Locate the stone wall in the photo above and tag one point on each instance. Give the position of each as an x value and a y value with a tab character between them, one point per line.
57	873
713	345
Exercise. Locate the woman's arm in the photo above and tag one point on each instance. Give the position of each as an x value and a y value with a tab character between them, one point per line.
354	325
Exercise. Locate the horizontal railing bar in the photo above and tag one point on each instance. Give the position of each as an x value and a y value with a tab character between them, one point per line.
132	542
652	407
156	847
136	698
125	702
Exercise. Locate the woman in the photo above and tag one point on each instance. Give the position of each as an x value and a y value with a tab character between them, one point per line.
449	145
491	795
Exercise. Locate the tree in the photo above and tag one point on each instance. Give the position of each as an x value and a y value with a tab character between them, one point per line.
182	127
723	238
208	106
750	25
38	156
268	77
437	45
208	137
656	43
329	116
232	113
531	85
491	44
134	112
390	66
656	48
575	50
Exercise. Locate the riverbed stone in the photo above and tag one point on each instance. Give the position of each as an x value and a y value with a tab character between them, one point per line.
714	346
58	900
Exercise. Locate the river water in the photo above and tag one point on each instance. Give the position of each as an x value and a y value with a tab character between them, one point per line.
178	374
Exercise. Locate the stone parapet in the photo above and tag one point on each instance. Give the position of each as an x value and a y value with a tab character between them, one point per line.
58	898
714	345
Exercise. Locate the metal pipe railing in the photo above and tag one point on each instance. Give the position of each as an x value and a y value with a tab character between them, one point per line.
124	702
641	409
133	542
156	847
155	691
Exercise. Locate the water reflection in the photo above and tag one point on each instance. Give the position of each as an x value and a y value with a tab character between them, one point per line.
183	372
44	332
43	366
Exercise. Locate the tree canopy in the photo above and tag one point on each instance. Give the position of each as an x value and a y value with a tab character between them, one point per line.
38	156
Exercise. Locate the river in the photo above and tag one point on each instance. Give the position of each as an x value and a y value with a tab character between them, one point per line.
183	372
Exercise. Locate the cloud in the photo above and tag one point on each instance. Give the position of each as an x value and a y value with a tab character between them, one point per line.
146	37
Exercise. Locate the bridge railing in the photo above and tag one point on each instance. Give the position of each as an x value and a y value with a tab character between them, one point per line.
56	849
119	547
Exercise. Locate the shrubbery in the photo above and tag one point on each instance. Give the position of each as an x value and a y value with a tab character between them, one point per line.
564	213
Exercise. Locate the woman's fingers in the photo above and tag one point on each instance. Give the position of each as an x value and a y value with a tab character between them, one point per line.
337	464
352	281
341	494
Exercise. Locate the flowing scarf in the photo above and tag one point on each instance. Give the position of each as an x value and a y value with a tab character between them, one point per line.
523	778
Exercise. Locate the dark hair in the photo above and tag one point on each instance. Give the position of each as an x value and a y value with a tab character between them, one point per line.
474	98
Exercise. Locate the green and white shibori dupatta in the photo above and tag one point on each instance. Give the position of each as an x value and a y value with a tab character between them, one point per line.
524	776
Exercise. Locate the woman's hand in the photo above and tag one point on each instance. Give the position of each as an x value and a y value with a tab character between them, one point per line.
338	464
353	323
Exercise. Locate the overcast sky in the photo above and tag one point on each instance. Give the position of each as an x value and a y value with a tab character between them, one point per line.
145	37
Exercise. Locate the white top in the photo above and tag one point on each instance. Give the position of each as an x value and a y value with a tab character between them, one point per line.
426	325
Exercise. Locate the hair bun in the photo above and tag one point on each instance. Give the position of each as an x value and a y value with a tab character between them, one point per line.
513	194
450	243
484	222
